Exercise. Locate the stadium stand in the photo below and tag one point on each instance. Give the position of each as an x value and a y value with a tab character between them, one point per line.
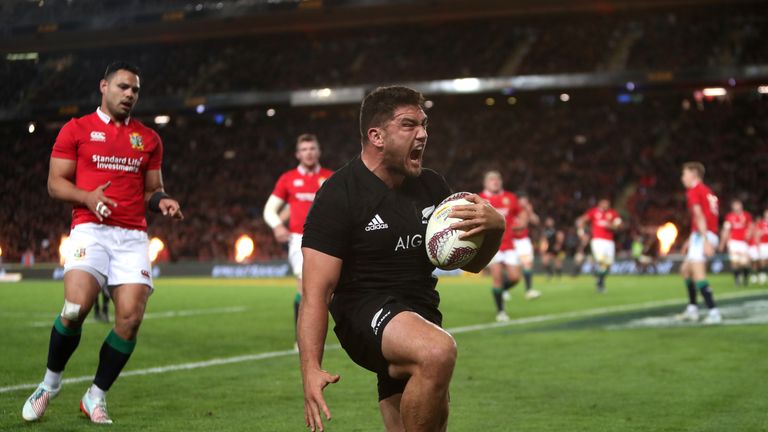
222	164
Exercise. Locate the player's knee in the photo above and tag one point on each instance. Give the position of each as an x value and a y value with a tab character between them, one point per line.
72	314
439	358
128	323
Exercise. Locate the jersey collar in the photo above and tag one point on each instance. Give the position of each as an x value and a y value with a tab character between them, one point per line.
304	171
368	179
106	119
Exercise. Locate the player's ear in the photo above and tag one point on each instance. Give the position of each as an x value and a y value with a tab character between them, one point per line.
375	137
103	86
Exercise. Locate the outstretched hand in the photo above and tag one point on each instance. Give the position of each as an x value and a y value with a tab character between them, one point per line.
170	207
314	403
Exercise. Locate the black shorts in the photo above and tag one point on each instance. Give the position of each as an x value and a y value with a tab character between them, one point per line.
360	320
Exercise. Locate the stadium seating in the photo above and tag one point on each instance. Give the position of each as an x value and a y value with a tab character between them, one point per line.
561	154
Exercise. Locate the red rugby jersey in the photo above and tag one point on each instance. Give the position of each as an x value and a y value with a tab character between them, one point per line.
105	152
740	223
506	203
298	187
702	195
601	220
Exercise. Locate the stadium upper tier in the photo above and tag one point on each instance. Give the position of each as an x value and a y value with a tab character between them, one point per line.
649	41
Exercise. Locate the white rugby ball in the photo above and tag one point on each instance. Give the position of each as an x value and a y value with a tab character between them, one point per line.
444	248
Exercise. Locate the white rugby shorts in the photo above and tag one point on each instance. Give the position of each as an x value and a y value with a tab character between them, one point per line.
113	255
696	246
507	257
524	247
764	251
295	258
603	250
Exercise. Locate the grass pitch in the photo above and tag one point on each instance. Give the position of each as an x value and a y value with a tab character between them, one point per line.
216	355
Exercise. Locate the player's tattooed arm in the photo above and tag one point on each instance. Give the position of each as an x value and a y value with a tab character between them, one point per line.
61	186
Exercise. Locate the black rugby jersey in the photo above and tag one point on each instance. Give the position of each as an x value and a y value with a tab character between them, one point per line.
378	232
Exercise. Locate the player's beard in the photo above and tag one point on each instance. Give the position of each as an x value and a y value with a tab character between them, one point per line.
121	112
400	163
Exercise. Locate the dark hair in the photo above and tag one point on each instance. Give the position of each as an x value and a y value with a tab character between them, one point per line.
696	167
120	65
379	106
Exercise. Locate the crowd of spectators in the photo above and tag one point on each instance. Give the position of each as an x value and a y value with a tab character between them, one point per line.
648	40
563	155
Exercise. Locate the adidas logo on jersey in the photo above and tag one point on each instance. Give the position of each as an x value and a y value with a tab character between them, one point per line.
376	224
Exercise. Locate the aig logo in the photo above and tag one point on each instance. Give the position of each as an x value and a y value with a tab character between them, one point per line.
409	241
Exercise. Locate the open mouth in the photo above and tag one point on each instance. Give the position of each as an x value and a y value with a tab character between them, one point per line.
416	154
126	105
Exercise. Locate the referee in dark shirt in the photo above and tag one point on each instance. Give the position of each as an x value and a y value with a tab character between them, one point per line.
365	261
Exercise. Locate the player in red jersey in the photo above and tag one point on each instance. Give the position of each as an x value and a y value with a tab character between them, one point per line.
296	189
604	221
761	236
108	166
704	208
523	244
737	225
507	204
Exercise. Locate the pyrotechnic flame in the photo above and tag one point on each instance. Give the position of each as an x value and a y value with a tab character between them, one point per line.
243	248
65	249
155	247
667	234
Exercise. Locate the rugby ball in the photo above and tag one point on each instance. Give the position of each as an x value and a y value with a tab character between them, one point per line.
444	248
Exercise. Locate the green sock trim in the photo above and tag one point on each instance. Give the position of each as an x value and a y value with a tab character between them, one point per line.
688	281
297	298
702	283
120	344
497	290
527	272
64	330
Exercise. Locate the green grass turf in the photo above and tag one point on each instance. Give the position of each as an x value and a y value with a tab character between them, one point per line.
563	374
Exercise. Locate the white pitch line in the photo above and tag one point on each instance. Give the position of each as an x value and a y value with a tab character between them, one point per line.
167	314
592	312
455	330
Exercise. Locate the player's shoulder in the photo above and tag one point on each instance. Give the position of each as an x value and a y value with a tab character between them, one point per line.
431	176
338	178
704	188
81	122
144	129
435	183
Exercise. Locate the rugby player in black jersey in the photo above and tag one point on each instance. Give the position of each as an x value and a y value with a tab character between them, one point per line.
365	261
